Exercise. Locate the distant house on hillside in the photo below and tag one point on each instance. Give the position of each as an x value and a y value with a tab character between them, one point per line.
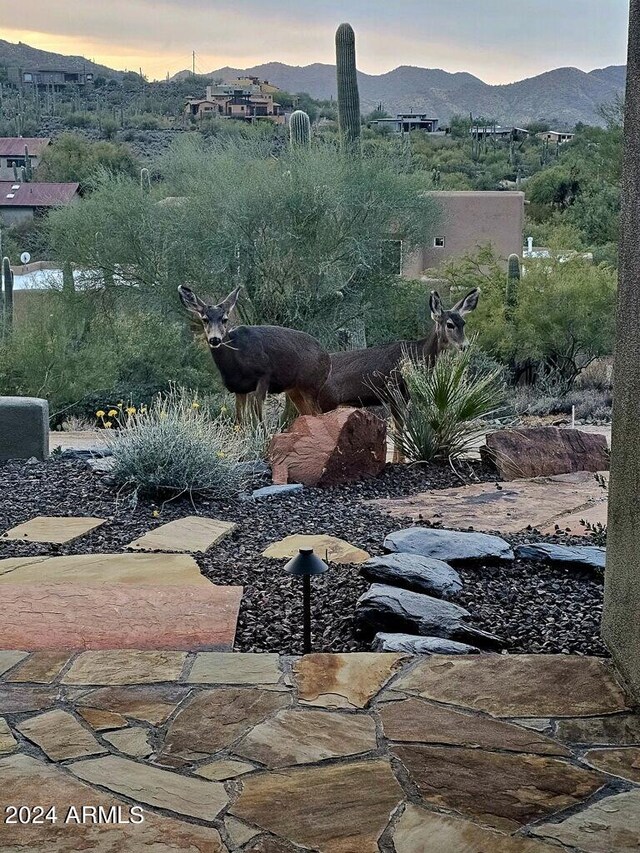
246	99
408	122
558	136
59	79
12	153
20	202
496	131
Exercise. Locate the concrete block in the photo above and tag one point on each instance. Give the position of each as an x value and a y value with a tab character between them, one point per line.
24	428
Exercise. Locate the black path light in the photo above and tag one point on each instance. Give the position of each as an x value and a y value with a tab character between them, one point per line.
304	565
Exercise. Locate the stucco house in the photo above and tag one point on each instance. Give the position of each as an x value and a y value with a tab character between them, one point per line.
12	152
20	202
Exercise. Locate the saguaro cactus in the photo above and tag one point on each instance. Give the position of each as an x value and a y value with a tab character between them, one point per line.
299	129
348	96
27	164
513	277
7	302
145	180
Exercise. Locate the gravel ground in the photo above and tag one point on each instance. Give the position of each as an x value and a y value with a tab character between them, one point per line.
534	607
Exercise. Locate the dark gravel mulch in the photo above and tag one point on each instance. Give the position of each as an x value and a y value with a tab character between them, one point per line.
534	607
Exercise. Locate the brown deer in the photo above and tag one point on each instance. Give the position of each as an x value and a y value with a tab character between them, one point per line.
258	360
359	377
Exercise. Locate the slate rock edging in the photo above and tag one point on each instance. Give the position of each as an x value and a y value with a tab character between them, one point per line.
450	546
414	572
586	556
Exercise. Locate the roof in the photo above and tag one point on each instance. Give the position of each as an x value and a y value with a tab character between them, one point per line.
36	194
13	146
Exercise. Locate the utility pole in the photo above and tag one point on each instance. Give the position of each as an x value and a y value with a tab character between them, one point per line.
193	63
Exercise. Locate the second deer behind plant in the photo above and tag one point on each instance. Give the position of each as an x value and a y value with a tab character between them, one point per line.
258	360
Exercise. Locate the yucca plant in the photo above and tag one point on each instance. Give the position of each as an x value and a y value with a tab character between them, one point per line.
446	406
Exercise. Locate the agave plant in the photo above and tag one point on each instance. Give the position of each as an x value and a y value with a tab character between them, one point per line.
446	407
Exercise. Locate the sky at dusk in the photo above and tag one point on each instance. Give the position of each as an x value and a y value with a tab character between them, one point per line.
497	40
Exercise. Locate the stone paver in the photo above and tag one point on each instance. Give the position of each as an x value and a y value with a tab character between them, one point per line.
337	550
336	809
509	509
192	534
611	825
413	720
15	698
161	788
518	685
343	681
60	736
615	729
499	789
28	781
151	704
65	616
102	720
9	659
132	741
40	668
7	741
53	529
125	667
136	569
305	737
571	524
618	762
238	831
223	769
448	834
216	718
223	668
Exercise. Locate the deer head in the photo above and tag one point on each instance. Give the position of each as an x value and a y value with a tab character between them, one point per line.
450	324
215	318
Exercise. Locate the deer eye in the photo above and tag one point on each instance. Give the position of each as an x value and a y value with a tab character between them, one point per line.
225	318
450	325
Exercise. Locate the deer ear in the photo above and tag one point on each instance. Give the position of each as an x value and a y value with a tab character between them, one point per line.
468	303
435	305
230	301
190	301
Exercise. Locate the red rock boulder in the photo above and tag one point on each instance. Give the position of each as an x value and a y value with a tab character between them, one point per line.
544	451
325	450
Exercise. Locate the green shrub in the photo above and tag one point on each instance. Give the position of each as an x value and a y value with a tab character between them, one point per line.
446	405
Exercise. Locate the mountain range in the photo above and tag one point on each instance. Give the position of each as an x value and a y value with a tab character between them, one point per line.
561	97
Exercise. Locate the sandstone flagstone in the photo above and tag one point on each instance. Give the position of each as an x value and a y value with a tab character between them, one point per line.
125	667
343	681
26	780
237	668
611	825
132	741
40	668
15	698
519	685
414	721
224	768
575	523
7	741
239	832
9	659
214	719
340	808
618	762
102	720
160	788
448	834
53	529
615	729
151	704
136	569
192	534
305	737
60	736
499	789
338	550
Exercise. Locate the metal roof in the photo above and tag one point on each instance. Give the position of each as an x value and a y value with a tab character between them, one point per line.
36	194
13	146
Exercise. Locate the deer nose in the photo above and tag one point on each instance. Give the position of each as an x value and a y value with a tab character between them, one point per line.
214	340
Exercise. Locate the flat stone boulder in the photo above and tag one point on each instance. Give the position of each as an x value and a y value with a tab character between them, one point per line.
276	491
543	451
587	556
411	571
388	608
415	645
338	447
450	546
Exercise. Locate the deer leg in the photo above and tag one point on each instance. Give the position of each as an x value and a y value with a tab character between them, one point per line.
259	397
241	408
297	399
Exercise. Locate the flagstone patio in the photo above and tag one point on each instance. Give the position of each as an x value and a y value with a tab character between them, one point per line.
360	753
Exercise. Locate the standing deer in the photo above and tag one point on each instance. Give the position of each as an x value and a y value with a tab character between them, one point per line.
359	377
261	360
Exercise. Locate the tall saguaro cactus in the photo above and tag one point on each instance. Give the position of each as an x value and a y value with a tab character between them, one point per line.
7	301
145	180
28	170
513	278
299	129
348	95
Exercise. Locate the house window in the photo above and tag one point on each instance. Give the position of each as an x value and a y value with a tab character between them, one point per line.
438	242
16	161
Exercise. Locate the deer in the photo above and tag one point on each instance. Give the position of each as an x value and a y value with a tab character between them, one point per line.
258	360
359	377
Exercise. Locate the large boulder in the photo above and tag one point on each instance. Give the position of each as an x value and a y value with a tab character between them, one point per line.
411	571
451	546
544	451
390	609
24	428
585	556
413	645
325	450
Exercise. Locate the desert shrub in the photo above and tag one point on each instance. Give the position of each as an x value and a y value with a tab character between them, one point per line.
175	446
590	403
73	158
446	405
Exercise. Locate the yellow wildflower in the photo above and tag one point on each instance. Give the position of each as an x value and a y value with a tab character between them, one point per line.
107	424
223	410
120	404
100	413
155	513
195	405
112	413
131	410
220	454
